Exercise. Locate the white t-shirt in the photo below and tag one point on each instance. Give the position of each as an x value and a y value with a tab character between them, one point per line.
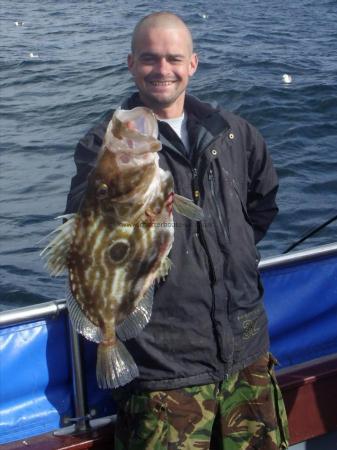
179	125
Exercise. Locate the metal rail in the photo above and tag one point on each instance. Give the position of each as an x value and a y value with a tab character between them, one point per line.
300	256
81	408
33	312
44	310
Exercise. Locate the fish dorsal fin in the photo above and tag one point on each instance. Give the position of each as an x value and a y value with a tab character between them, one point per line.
138	319
187	207
80	322
56	252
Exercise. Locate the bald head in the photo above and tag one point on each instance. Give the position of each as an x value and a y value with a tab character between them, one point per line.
161	20
162	62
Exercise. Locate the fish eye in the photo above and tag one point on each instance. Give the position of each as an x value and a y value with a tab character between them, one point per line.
102	191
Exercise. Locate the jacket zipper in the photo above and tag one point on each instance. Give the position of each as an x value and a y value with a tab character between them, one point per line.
212	185
203	242
196	196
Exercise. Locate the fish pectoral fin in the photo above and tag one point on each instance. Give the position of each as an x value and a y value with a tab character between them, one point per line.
164	269
115	366
80	322
187	207
138	319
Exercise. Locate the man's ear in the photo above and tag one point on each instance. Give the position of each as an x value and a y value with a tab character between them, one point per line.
130	61
193	64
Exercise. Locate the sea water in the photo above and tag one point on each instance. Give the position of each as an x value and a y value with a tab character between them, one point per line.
63	65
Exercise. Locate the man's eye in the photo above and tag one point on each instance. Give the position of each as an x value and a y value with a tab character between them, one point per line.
148	59
175	59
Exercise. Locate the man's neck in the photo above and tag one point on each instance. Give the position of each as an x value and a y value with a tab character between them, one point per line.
169	112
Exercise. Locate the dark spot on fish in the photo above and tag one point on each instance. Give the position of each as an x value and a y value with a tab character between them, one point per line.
118	251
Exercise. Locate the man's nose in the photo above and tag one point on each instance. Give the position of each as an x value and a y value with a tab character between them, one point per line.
162	66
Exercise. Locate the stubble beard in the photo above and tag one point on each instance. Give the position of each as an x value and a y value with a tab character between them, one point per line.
159	102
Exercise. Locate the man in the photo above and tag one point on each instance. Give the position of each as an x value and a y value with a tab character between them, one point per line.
206	377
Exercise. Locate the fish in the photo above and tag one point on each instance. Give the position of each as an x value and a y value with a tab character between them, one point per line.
116	247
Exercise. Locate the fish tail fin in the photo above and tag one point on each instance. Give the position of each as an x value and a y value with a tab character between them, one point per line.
115	366
138	319
187	207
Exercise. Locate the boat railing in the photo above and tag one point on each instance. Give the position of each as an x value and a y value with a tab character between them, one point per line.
52	308
298	256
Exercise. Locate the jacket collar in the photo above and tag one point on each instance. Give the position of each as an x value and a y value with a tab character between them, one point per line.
204	124
198	112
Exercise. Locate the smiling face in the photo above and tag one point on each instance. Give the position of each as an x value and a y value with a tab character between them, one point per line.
161	63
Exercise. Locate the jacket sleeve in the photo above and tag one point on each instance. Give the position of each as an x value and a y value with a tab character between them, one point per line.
262	186
85	158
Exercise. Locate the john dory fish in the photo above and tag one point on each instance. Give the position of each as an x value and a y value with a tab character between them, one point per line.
116	246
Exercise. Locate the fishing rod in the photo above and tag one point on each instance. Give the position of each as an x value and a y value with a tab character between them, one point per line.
310	233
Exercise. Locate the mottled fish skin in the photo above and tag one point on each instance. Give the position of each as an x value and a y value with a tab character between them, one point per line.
112	261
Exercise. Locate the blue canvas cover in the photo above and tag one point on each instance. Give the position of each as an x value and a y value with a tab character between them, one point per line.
35	378
301	302
36	391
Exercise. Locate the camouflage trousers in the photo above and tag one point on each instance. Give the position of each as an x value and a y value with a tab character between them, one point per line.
244	412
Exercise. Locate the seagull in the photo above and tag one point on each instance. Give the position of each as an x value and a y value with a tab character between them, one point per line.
287	78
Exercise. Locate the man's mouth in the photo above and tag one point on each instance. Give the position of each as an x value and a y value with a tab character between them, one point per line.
161	83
